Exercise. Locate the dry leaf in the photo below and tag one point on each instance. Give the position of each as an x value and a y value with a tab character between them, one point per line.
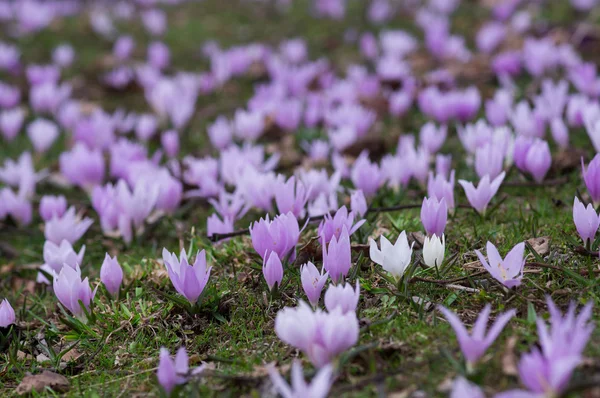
42	381
72	355
509	360
540	245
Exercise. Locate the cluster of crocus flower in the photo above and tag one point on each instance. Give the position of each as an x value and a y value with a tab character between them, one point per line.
546	370
295	92
279	235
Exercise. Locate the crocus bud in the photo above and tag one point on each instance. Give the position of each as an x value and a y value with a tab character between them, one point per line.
52	206
358	203
343	297
337	258
70	290
7	314
42	134
273	270
312	282
433	251
538	160
111	274
170	143
434	215
591	176
586	221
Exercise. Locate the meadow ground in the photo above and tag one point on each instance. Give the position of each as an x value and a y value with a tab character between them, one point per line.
405	346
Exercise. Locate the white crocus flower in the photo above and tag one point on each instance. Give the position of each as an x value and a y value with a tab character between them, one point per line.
434	249
395	259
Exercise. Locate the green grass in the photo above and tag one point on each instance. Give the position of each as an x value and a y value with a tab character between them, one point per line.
402	348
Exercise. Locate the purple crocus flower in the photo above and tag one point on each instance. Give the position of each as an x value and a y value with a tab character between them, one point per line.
366	175
462	388
473	345
146	127
170	143
40	74
9	96
434	214
443	163
52	206
337	258
321	336
280	235
272	270
188	280
123	47
431	137
63	55
560	132
318	388
7	314
216	225
16	205
70	290
509	271
312	282
332	227
111	274
69	227
586	221
82	166
481	196
546	371
171	373
42	133
521	148
439	188
342	296
490	36
358	203
292	196
159	55
11	121
489	160
591	176
58	256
